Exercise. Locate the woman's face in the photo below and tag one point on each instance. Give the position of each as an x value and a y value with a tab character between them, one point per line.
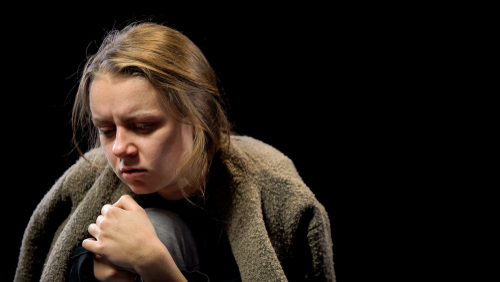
142	142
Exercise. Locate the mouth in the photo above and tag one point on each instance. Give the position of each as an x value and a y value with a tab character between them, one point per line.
130	173
131	170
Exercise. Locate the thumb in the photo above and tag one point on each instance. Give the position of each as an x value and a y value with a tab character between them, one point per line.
126	203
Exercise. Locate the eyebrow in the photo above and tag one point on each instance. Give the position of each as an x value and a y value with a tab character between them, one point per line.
131	117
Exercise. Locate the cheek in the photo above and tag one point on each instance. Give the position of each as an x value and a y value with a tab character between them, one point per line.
161	154
108	151
165	153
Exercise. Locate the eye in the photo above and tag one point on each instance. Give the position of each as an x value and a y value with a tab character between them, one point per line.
145	128
106	131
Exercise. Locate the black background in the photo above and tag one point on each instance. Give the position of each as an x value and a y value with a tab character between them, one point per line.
301	79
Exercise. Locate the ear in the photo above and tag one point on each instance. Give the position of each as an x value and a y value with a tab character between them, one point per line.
195	131
190	130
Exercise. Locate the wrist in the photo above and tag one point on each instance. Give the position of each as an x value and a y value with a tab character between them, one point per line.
159	266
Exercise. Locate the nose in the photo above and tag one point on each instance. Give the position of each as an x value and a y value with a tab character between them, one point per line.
123	146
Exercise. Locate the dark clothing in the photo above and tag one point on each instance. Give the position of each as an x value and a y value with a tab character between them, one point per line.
82	269
171	219
214	251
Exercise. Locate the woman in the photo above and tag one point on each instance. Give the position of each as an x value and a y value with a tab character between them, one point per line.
163	154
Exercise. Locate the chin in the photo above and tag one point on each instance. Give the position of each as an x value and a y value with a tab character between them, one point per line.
140	189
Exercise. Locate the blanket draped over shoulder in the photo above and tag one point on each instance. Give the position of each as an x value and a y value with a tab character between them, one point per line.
277	229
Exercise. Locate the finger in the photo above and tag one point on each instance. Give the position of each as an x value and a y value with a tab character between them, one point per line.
126	203
105	209
99	220
89	244
94	230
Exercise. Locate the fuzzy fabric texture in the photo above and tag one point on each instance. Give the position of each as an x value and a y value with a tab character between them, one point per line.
277	229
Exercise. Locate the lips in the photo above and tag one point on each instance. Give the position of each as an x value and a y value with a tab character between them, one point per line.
131	173
130	169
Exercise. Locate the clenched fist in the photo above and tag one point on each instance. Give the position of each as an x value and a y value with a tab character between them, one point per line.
126	238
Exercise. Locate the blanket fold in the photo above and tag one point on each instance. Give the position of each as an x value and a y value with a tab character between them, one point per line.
277	229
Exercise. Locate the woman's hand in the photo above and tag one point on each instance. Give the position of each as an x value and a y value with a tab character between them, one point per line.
125	235
105	271
126	238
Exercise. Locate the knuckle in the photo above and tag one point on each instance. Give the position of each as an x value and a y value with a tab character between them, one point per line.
110	212
105	209
104	223
99	248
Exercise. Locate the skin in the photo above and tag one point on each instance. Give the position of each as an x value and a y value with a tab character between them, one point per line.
136	132
144	145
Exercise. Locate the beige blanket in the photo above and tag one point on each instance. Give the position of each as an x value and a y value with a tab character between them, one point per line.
271	217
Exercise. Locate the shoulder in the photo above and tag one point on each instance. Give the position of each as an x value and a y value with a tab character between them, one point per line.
81	175
260	156
282	193
90	165
268	169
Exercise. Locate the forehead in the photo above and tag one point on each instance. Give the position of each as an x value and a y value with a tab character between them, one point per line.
121	96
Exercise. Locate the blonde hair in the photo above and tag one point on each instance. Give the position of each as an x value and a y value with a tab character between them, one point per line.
185	81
